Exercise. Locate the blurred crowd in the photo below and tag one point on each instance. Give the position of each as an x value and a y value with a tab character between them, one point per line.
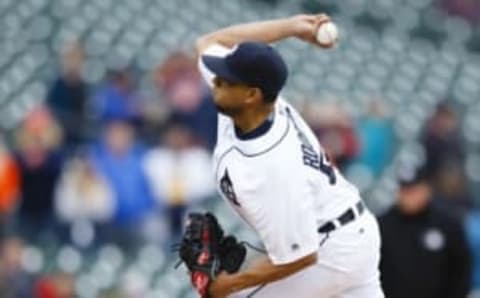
102	154
123	161
105	164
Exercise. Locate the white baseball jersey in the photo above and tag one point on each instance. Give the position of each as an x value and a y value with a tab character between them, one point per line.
279	182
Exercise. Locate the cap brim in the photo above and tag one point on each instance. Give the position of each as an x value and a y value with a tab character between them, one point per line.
408	183
412	182
219	67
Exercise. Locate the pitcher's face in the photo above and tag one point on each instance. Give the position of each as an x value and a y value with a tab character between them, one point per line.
232	98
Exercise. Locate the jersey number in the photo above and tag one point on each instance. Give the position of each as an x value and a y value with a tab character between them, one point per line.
312	158
318	162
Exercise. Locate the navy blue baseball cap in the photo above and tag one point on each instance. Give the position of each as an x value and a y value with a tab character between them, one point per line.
411	174
254	64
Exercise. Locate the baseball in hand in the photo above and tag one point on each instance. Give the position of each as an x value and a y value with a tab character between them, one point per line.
327	34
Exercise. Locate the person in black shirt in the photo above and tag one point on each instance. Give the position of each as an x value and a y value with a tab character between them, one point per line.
67	97
424	251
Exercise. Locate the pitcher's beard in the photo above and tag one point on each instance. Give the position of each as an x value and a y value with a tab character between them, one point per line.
229	112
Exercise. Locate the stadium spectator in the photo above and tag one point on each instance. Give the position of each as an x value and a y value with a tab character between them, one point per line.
57	285
67	97
118	157
203	121
14	281
452	191
117	98
445	159
473	236
468	9
178	172
40	161
424	250
442	141
83	196
179	82
334	129
9	184
376	138
180	86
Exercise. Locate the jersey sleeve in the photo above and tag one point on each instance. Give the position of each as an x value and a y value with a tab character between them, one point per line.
283	216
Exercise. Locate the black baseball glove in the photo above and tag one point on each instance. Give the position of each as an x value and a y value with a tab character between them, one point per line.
206	251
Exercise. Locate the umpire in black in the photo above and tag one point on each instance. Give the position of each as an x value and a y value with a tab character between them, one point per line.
424	250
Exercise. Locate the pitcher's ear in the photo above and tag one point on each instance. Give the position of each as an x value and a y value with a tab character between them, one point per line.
254	94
